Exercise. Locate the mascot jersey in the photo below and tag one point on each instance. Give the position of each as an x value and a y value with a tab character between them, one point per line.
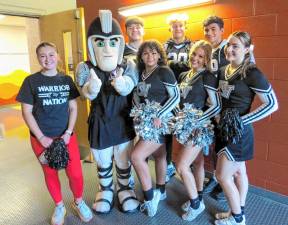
109	115
50	99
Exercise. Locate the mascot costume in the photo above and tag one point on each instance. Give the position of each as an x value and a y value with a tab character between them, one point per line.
107	83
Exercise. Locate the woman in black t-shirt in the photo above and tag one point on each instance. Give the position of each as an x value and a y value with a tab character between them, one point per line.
49	108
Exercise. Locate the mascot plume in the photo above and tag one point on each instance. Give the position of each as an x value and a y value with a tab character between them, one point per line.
107	82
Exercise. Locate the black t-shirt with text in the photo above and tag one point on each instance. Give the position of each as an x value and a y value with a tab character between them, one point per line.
50	99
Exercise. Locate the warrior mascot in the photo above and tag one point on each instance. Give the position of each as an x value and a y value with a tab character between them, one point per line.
107	83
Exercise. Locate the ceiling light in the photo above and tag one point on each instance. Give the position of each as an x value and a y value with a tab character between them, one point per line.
159	6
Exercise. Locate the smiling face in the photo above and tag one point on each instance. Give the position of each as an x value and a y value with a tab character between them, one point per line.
235	50
213	34
197	59
150	57
106	52
178	30
48	58
135	32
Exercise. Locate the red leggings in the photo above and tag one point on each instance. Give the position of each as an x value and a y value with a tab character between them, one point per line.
73	170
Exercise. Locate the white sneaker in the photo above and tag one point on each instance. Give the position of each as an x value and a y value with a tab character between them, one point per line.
191	213
222	215
163	196
152	205
186	205
230	221
58	215
83	211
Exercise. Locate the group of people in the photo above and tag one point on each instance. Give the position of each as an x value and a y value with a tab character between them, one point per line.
207	81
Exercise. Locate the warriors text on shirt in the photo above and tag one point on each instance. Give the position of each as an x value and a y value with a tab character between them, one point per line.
54	95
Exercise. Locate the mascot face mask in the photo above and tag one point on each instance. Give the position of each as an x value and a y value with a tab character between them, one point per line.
106	52
105	42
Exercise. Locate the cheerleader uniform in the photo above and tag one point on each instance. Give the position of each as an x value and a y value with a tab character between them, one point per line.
194	90
160	86
238	92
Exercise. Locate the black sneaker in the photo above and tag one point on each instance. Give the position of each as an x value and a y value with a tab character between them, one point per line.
209	187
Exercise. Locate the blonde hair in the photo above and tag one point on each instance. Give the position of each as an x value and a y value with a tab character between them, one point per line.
206	46
52	45
177	17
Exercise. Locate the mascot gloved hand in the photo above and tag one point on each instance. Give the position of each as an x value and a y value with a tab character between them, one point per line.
92	87
108	82
125	84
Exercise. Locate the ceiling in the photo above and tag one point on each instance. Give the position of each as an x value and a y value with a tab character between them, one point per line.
35	8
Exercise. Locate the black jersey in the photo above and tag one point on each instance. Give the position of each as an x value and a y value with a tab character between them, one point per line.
238	92
193	90
218	58
50	99
130	52
154	88
178	56
109	120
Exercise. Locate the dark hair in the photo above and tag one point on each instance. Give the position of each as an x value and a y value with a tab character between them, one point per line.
207	48
45	44
50	44
213	19
152	44
134	20
246	40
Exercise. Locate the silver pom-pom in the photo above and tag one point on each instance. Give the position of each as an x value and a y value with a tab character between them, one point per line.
188	130
144	115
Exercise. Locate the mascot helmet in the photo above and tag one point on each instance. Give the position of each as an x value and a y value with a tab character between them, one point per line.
104	27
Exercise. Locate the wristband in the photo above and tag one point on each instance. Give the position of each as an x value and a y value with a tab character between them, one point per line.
68	132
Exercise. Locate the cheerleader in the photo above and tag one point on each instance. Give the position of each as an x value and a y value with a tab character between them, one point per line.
196	86
157	84
239	81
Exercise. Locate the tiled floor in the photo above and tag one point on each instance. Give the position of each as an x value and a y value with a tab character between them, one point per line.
25	200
